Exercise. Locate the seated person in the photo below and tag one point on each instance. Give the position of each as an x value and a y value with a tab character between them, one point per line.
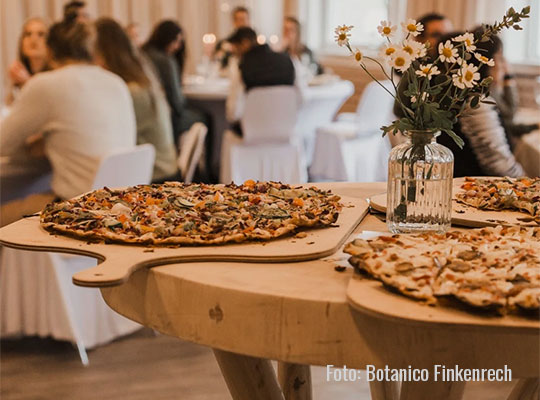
258	66
160	48
32	56
223	52
115	53
301	55
435	25
486	151
81	112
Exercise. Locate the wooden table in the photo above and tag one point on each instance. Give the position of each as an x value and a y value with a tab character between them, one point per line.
298	314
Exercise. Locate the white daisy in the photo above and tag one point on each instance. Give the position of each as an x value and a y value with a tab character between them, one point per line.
400	60
412	28
386	29
358	56
414	48
484	59
467	76
447	52
468	39
387	51
342	34
428	70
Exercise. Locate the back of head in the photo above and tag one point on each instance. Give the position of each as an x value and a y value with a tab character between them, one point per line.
163	35
71	10
242	34
118	53
71	41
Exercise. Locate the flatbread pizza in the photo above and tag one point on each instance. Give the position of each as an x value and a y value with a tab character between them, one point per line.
192	214
490	268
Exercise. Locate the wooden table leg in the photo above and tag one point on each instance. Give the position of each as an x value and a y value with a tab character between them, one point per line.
248	378
384	390
295	381
432	390
526	389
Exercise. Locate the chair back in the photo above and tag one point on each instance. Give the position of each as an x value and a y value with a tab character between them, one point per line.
126	168
270	114
375	107
191	147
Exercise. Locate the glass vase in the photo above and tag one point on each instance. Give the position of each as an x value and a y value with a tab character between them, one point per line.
419	196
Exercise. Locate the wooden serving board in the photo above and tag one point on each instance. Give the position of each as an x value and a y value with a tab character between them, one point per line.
370	297
465	215
118	261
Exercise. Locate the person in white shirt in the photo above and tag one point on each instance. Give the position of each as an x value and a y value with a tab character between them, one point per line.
78	112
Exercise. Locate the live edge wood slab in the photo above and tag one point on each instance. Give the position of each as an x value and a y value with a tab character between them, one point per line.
303	313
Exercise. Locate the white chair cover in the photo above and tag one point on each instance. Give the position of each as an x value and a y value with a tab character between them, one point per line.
191	149
268	149
345	156
37	296
319	107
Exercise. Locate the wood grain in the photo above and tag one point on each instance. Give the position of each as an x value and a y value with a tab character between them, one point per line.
118	262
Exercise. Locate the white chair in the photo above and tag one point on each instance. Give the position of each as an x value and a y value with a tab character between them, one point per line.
37	296
191	149
319	107
269	149
352	149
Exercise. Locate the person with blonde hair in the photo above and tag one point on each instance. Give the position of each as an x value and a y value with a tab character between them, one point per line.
32	55
77	113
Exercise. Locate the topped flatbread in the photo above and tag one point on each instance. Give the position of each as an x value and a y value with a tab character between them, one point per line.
518	194
183	214
491	268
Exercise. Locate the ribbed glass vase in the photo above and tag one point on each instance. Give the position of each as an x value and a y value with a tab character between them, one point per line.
419	196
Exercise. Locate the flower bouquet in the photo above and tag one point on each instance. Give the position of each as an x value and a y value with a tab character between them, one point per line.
432	94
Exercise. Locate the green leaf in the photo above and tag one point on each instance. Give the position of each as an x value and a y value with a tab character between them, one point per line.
459	141
517	28
526	10
475	102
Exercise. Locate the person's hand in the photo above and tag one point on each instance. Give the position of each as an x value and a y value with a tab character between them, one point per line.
18	73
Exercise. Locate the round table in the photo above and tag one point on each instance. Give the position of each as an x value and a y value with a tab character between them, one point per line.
298	314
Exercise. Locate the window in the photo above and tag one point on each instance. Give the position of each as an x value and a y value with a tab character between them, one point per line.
523	47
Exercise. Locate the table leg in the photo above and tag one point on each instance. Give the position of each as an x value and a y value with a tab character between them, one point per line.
432	390
295	381
526	389
384	390
248	378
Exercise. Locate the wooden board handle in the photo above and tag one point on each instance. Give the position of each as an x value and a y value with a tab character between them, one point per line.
112	271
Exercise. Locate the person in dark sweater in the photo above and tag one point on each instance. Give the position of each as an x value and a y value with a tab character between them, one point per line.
160	49
258	66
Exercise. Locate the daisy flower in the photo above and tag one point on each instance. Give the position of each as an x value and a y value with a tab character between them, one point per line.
342	34
468	39
428	70
467	77
387	50
484	59
414	48
447	52
412	28
400	60
358	56
386	29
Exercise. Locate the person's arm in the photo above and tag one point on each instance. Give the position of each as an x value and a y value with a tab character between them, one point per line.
235	100
488	142
27	117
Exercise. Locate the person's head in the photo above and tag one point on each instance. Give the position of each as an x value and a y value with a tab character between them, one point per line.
243	40
291	32
76	11
116	53
32	43
69	42
240	17
435	26
166	37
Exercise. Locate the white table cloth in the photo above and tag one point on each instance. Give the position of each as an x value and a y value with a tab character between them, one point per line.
37	297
